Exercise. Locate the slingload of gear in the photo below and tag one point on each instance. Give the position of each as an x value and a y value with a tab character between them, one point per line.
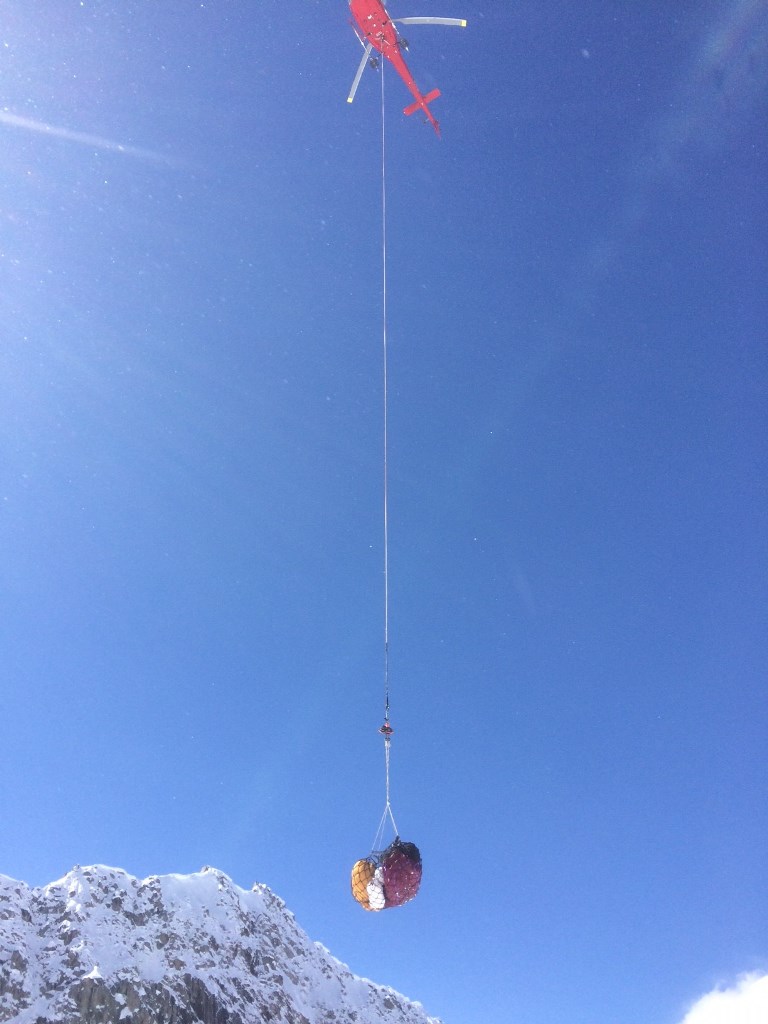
389	876
387	879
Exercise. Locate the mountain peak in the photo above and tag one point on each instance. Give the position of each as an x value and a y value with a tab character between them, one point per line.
99	946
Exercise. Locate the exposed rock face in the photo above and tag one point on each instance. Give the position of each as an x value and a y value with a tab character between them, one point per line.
102	947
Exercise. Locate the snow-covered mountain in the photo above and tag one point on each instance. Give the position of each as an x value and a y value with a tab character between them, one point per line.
101	947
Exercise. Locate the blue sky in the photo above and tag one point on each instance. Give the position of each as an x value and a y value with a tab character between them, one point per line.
190	468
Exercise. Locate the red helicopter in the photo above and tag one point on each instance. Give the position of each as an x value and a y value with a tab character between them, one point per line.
376	30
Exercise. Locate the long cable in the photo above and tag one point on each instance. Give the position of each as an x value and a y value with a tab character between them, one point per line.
386	728
386	411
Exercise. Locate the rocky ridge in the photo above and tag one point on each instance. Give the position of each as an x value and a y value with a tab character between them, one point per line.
102	947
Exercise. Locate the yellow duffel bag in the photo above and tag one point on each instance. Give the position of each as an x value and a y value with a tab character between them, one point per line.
362	873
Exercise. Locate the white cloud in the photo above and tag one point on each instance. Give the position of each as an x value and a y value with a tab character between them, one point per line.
745	1003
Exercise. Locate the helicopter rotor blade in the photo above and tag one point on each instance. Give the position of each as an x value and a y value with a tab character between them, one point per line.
455	22
360	71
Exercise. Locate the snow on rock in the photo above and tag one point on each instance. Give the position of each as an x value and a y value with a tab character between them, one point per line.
101	947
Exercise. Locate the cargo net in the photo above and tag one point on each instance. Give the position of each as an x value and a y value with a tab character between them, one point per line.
389	878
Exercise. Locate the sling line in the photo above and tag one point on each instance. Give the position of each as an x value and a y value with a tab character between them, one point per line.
386	728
